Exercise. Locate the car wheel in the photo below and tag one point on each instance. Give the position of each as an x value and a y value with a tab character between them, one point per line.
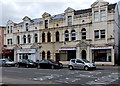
15	65
61	65
18	65
27	66
38	66
52	67
71	67
86	68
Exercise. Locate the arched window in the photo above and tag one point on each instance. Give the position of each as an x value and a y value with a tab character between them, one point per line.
66	35
48	55
43	37
83	31
24	39
29	39
43	54
18	39
49	37
36	38
57	36
73	35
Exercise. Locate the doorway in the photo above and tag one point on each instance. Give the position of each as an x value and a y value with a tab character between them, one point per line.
83	54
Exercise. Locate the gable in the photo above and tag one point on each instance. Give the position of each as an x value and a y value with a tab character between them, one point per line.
69	10
45	14
26	18
10	22
99	3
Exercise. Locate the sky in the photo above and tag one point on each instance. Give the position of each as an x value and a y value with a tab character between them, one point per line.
15	10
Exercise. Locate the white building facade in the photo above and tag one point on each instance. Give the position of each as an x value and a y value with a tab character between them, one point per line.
89	34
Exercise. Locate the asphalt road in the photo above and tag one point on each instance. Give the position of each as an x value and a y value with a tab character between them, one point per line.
103	75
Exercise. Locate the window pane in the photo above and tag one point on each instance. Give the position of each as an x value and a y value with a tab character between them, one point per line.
102	32
46	23
96	16
103	16
69	20
96	34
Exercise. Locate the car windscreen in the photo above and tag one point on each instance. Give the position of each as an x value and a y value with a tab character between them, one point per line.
29	60
85	60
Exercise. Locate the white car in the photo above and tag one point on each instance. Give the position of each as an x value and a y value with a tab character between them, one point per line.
81	64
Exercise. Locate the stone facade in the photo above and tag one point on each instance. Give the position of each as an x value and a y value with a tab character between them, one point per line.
87	34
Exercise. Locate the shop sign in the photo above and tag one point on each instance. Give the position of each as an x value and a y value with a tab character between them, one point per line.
68	48
26	51
102	47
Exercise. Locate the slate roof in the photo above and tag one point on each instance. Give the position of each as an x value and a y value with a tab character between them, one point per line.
77	12
59	16
111	6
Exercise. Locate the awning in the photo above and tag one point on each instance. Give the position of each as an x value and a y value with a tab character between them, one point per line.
68	47
101	47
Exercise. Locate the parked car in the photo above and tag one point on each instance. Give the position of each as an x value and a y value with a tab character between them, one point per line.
7	62
2	62
26	63
49	64
81	64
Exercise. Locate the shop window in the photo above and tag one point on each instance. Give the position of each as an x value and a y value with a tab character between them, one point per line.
102	33
73	35
96	16
46	23
83	31
66	35
43	55
102	55
43	37
26	26
49	37
57	36
103	15
48	55
69	20
96	33
29	39
36	38
24	39
18	39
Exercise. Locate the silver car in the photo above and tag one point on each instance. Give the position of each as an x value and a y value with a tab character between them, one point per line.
7	62
81	64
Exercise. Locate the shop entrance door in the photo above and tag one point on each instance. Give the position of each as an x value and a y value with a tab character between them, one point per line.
83	54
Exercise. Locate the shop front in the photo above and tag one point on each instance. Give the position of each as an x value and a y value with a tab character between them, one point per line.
67	53
32	54
103	54
8	53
